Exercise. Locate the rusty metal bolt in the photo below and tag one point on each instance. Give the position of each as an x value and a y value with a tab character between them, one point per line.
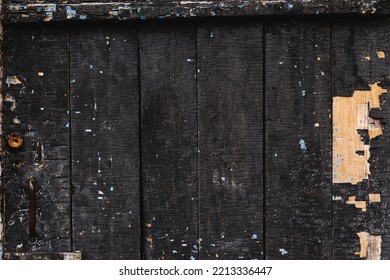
15	140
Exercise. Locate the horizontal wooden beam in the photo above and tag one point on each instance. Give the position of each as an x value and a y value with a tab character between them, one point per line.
28	11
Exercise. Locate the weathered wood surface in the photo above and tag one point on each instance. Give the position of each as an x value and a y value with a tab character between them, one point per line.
298	139
30	11
230	102
105	141
361	51
169	140
36	71
199	140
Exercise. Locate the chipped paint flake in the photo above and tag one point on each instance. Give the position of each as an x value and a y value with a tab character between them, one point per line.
283	251
70	13
13	80
350	115
381	54
370	246
358	204
302	144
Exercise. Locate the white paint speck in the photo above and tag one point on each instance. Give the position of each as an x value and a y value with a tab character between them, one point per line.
174	251
303	92
112	189
101	193
283	251
317	125
41	74
88	130
90	66
223	179
254	236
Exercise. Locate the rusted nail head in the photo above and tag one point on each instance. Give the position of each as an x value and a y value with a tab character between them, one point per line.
15	140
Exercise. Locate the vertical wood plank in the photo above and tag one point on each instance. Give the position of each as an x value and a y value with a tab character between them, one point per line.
169	138
298	139
36	75
230	65
361	58
105	141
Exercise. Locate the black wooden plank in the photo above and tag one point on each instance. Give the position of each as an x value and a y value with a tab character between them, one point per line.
298	139
36	72
169	139
361	51
230	84
62	10
105	141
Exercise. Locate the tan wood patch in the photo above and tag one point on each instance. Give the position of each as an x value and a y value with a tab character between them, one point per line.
351	114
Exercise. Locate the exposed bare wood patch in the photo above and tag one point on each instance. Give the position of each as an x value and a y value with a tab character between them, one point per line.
370	246
358	204
374	197
350	117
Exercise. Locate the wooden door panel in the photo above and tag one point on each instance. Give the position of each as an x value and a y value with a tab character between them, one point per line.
298	140
209	139
360	64
36	78
169	140
105	141
230	139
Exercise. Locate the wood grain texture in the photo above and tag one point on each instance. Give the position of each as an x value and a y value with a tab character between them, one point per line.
30	11
298	139
36	71
230	65
169	139
361	52
105	141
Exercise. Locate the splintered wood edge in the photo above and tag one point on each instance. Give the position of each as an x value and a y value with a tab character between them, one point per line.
43	256
42	12
2	227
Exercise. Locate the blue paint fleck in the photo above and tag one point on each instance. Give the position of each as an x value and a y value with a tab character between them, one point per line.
303	145
83	17
290	6
70	13
67	125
